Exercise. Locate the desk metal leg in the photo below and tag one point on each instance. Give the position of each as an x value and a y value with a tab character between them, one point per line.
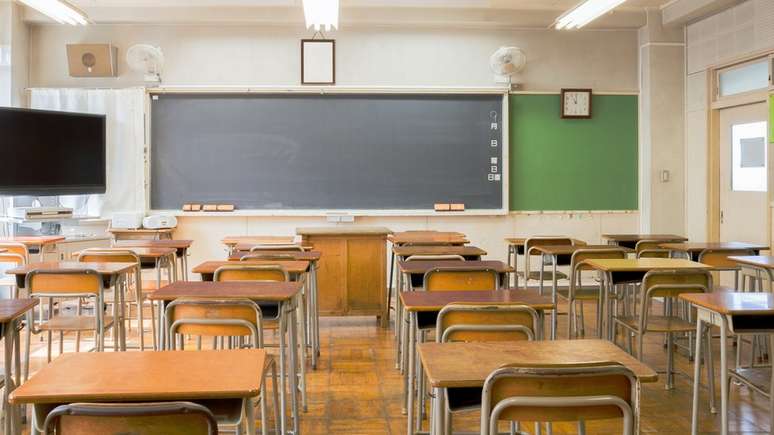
249	415
723	375
410	370
389	289
399	323
293	347
10	421
283	326
697	377
554	314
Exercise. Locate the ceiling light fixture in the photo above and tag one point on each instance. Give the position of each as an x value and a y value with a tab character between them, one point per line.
58	10
585	13
321	14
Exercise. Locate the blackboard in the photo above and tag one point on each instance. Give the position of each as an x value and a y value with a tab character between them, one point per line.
327	151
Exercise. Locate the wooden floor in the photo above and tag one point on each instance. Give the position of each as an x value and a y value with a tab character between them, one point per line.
357	390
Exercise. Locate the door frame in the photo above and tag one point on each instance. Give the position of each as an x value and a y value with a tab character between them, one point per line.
716	104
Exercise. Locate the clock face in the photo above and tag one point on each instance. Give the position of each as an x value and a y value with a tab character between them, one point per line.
576	104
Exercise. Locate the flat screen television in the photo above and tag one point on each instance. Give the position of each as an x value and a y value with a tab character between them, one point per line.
46	153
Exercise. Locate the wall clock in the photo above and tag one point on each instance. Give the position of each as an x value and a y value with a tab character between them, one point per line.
576	103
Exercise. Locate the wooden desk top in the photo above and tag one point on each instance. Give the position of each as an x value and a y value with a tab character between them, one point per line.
294	266
166	243
407	251
570	249
34	240
246	246
762	261
348	230
638	237
719	246
11	309
140	230
434	301
469	364
521	241
144	253
264	240
643	264
100	268
146	376
3	250
292	255
731	303
263	291
420	267
428	238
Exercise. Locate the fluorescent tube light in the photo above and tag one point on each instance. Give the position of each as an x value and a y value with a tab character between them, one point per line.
58	10
585	13
321	14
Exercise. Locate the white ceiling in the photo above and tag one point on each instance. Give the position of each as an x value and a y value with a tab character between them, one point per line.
357	13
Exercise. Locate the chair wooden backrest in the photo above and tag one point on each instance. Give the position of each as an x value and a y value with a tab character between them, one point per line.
559	393
272	247
108	255
486	322
10	259
164	418
654	253
671	284
719	258
64	283
248	272
578	263
214	318
266	255
428	257
16	248
449	278
534	242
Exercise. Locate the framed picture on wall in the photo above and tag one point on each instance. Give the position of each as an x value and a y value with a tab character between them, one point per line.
318	62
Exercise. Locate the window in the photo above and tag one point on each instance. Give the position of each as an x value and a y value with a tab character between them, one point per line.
749	157
743	78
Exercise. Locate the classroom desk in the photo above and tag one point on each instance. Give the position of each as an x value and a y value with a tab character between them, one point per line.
35	244
615	271
561	255
737	313
141	233
423	303
181	246
692	250
283	293
758	266
460	365
516	247
630	240
293	267
11	313
113	275
233	378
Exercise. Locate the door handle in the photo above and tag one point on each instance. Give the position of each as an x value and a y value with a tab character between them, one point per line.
721	216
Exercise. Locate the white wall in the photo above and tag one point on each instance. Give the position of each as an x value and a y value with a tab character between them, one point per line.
13	54
241	55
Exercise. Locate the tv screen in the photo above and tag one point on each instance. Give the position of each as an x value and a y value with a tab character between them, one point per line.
46	153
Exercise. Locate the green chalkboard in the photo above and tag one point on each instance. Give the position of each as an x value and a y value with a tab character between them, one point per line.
573	164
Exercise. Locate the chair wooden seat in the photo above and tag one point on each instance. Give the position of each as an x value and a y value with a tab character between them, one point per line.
588	293
660	323
74	323
547	275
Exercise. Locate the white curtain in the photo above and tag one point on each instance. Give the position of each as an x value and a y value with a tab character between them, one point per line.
124	109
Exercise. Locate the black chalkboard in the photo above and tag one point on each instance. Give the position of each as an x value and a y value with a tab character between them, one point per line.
327	152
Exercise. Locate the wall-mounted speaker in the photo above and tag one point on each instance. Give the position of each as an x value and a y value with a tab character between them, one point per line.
92	60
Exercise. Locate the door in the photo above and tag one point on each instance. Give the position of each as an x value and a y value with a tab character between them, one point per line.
744	174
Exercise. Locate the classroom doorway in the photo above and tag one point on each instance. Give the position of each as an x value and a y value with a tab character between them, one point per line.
744	173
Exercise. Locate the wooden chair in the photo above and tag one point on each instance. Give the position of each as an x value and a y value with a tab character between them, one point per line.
481	323
576	291
452	278
720	262
667	285
266	255
140	295
541	275
559	394
239	320
242	272
16	248
58	284
652	249
164	418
